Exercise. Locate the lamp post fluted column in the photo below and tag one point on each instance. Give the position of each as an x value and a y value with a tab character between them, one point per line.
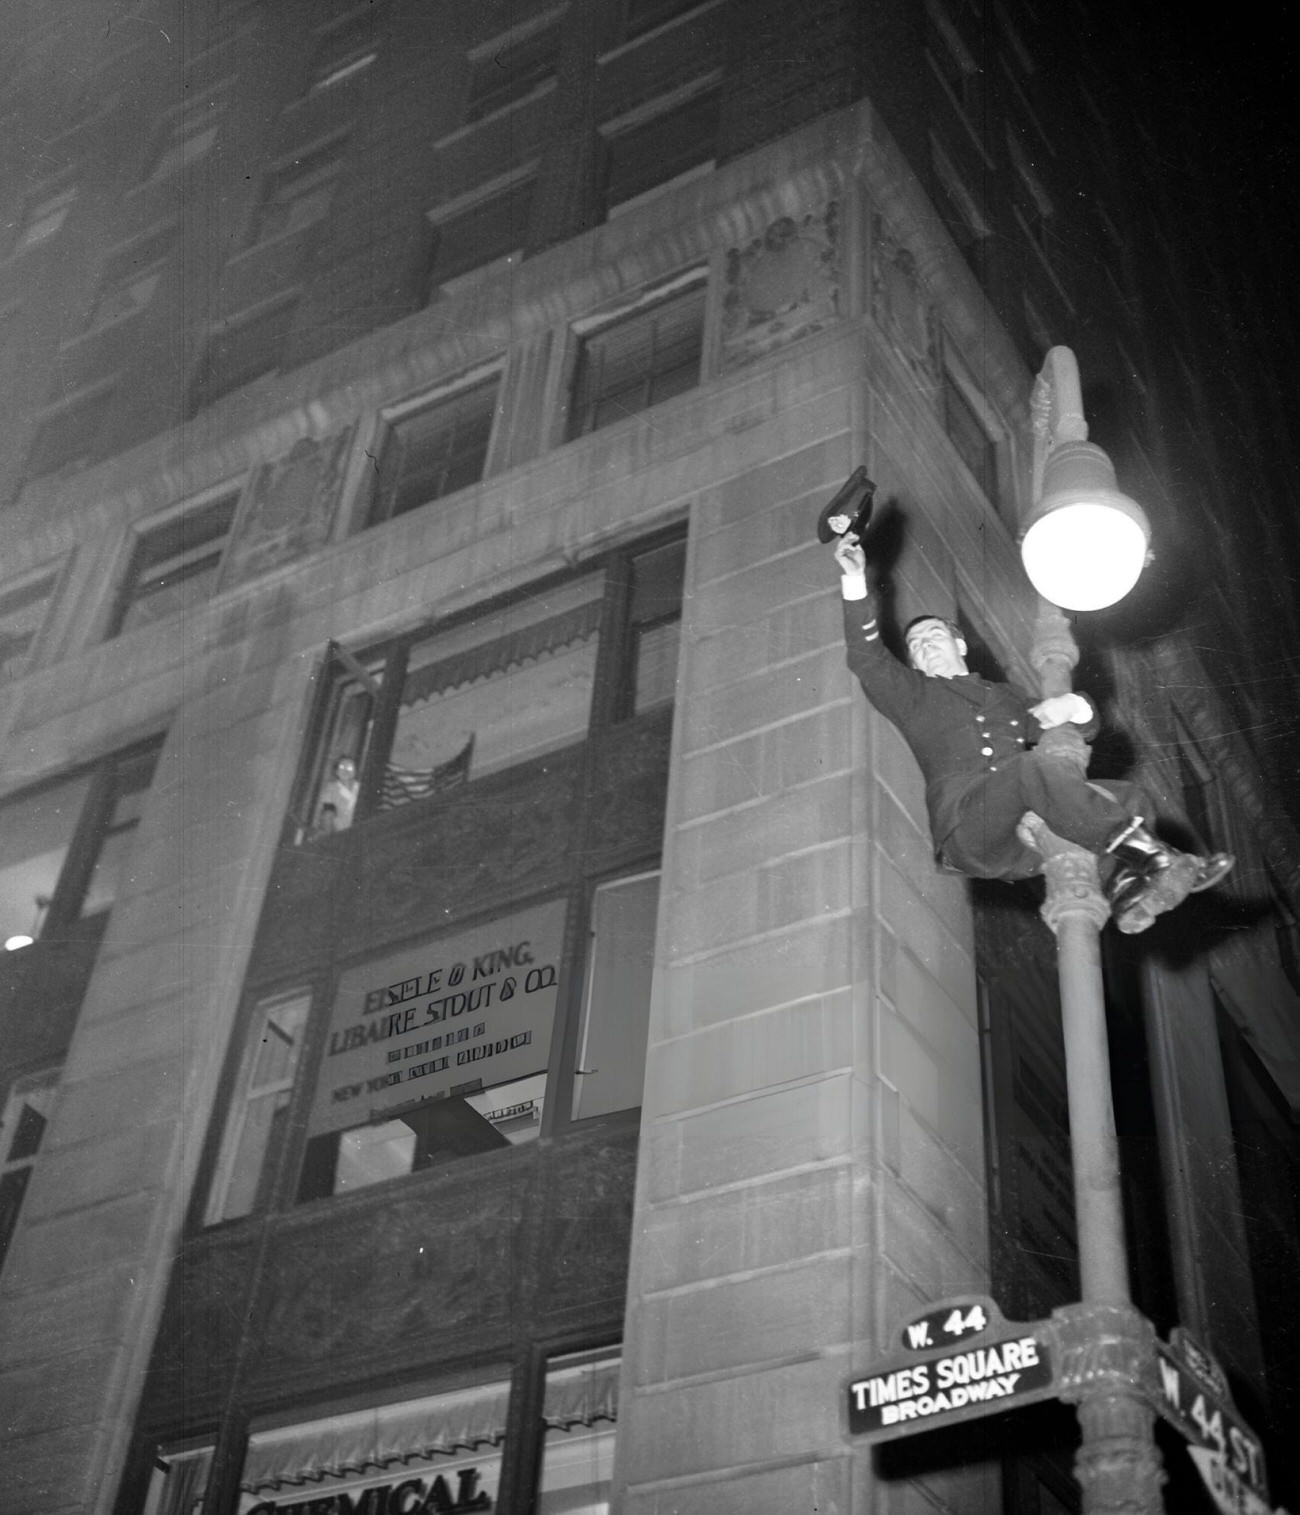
1107	1345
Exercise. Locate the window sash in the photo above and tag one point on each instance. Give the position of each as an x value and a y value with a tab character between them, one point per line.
483	233
662	148
969	435
508	74
639	361
175	566
265	1086
436	451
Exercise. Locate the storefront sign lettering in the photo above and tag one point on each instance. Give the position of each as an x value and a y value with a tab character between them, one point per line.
410	1496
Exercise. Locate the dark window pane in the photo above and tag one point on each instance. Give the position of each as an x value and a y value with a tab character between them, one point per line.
240	351
636	363
71	437
662	148
435	451
175	567
512	72
489	230
12	1188
299	193
970	437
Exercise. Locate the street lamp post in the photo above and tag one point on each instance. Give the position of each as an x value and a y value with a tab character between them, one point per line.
1084	545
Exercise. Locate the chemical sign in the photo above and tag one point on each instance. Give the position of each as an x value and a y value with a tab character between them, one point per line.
988	1364
1193	1396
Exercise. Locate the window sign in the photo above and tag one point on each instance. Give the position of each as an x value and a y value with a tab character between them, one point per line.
449	1019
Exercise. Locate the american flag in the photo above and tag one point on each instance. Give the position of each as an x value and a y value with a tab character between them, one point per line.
401	786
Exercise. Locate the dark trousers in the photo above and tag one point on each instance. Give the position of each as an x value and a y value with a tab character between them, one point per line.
1089	813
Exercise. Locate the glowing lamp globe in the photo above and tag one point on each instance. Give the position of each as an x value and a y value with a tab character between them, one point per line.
1084	544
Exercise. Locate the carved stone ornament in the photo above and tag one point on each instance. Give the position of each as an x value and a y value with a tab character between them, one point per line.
289	507
783	285
900	305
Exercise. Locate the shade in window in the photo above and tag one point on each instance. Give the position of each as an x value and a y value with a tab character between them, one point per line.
642	15
610	1072
131	276
638	361
344	51
21	1129
254	1128
500	690
579	1420
22	613
662	149
492	228
179	1480
507	72
45	216
654	627
188	138
433	452
970	436
299	192
240	350
174	567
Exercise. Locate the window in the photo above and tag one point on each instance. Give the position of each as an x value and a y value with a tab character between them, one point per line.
174	566
1034	206
527	1010
435	450
969	434
952	61
298	193
344	51
45	216
179	1480
254	1128
242	349
21	1130
486	229
579	1424
637	360
131	276
511	68
961	215
651	154
65	849
612	1029
22	613
188	137
69	436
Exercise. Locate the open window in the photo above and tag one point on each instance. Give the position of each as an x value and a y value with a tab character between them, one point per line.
22	1127
65	848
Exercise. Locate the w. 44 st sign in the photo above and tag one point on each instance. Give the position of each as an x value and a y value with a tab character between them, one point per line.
1193	1396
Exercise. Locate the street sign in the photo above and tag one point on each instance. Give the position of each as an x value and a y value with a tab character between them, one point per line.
959	1360
1227	1490
1193	1397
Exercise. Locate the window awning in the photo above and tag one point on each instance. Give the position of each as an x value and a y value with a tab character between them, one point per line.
368	1440
580	1396
526	645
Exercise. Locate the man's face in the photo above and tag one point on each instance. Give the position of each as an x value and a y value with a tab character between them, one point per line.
934	650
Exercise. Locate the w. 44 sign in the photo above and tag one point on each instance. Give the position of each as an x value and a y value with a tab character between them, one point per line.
1194	1398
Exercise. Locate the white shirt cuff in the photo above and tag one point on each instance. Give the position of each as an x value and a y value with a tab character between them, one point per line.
853	587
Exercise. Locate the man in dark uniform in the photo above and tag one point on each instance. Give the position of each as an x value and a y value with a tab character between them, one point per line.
975	739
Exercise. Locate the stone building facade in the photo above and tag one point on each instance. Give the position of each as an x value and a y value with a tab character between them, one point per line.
554	1111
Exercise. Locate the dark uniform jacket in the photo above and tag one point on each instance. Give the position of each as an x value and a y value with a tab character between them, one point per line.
959	729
